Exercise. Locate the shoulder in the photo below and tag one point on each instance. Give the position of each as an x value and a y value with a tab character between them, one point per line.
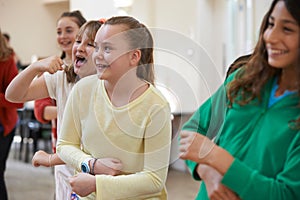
88	80
58	75
85	84
234	75
155	96
239	62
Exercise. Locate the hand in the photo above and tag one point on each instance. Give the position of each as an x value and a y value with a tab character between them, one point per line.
83	184
215	189
194	146
40	158
108	166
51	64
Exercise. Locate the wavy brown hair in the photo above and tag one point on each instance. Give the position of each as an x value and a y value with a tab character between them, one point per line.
90	29
254	75
5	50
139	38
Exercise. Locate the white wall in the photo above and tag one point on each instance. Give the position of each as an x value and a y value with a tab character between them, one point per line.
94	9
192	47
32	26
192	41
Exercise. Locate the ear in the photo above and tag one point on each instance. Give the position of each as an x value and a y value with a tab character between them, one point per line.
135	57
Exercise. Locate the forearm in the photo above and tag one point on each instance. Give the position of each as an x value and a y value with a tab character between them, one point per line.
54	159
42	158
142	184
6	104
17	91
200	149
18	87
78	156
25	88
50	112
219	159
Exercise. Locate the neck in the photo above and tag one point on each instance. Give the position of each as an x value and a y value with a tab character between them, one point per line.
287	81
68	59
124	91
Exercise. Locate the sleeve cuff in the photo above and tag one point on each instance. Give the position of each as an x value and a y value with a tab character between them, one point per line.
237	177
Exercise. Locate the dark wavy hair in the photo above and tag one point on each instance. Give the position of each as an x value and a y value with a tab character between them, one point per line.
139	38
254	75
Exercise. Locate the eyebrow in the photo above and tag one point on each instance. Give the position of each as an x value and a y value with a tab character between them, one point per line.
103	43
107	43
286	21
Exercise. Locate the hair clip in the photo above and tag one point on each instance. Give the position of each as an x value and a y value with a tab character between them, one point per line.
102	20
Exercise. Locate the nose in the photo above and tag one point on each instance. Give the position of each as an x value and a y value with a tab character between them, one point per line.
98	53
272	35
81	47
62	34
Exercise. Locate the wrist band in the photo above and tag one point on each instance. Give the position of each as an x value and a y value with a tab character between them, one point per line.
93	166
49	160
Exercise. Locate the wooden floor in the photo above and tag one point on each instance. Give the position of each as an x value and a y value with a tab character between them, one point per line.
25	182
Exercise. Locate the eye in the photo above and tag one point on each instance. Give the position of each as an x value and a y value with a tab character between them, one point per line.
270	24
91	45
69	30
96	47
106	49
288	29
58	32
78	41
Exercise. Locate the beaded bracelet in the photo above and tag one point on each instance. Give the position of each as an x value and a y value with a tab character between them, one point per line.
93	166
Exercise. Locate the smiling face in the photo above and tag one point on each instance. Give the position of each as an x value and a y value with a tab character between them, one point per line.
112	54
82	52
66	30
282	38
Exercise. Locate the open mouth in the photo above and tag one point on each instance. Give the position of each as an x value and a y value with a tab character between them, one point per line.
79	61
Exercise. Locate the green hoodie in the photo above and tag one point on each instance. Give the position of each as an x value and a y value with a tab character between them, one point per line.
265	147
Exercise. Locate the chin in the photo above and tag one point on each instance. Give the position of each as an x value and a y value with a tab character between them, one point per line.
100	75
76	70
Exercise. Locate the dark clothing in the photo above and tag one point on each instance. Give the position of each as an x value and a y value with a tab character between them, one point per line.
5	143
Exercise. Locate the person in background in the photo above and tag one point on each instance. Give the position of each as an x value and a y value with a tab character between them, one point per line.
254	118
118	113
57	84
45	109
8	110
16	57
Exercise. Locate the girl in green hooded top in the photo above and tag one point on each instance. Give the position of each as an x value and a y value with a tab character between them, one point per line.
254	119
